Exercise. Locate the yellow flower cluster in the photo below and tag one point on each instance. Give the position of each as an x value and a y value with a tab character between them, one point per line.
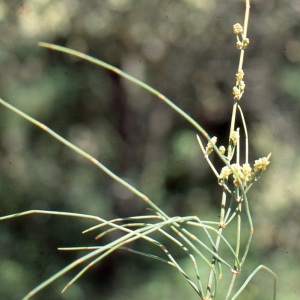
244	174
210	148
261	164
222	149
236	93
239	76
234	137
238	29
242	43
240	85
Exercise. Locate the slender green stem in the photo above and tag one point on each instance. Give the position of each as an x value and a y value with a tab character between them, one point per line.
109	248
232	126
87	156
214	260
246	20
230	286
179	235
128	77
261	267
238	235
144	86
246	135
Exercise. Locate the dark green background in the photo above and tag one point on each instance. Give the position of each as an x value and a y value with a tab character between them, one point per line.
184	49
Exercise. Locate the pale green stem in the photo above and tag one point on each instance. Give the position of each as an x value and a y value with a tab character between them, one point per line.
246	135
261	267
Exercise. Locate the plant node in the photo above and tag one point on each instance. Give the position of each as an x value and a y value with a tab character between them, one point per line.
239	199
222	149
222	225
235	271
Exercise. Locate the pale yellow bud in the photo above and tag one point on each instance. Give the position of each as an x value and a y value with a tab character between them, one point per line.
239	76
225	172
222	149
234	136
209	148
239	45
247	171
237	28
242	85
261	164
240	176
246	42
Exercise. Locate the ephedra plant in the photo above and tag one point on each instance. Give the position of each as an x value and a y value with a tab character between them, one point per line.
235	179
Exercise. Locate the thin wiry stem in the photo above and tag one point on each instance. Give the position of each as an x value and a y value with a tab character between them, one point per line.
246	135
261	267
101	166
104	251
176	227
142	230
144	86
240	188
87	156
230	286
144	235
206	157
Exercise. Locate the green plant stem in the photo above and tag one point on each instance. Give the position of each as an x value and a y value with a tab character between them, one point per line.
87	156
144	86
261	267
230	286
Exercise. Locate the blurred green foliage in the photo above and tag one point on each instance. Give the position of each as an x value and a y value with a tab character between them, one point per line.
186	50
